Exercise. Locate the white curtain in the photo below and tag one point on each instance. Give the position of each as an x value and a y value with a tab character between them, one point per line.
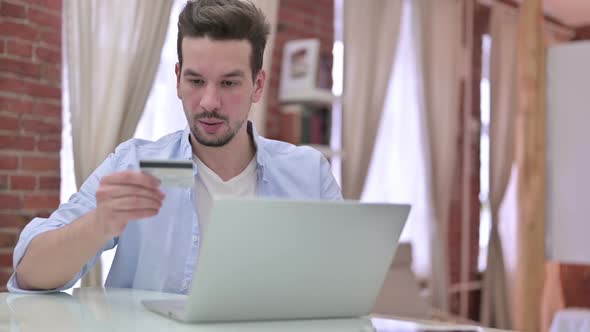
163	113
495	309
258	111
371	31
398	169
440	53
112	51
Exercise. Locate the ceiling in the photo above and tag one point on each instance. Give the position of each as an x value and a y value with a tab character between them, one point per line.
573	13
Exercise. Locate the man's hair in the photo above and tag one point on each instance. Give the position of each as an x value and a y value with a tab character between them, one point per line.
225	20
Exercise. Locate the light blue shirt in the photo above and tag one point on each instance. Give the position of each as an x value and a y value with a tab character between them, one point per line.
160	253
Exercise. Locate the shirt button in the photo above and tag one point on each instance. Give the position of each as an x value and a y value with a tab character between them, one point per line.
195	238
184	285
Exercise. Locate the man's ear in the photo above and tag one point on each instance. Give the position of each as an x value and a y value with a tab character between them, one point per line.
177	71
259	82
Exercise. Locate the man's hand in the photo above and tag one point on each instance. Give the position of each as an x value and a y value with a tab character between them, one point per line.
126	196
54	257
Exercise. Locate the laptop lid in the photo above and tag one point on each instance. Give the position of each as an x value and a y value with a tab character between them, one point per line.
268	259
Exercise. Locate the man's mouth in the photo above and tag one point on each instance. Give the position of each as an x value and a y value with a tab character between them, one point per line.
211	126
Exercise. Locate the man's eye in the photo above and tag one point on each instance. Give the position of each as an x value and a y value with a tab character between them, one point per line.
197	82
229	83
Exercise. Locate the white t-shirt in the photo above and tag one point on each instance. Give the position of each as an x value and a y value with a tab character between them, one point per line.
209	185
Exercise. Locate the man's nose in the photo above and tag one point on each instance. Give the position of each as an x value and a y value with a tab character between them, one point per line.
210	100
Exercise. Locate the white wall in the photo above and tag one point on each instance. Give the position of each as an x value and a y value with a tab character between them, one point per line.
568	142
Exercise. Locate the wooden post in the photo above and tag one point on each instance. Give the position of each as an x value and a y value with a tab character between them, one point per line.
530	158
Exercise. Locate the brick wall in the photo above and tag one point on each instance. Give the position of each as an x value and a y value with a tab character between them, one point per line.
583	33
297	19
30	117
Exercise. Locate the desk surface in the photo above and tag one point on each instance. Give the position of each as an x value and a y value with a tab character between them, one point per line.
91	309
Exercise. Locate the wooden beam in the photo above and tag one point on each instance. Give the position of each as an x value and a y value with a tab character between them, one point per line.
550	21
516	4
530	158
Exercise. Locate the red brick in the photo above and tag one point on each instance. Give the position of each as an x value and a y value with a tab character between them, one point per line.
8	237
45	19
6	258
4	276
15	105
47	109
311	8
12	10
45	214
50	37
29	88
43	136
40	163
47	55
13	220
40	127
37	201
17	30
9	123
21	49
12	142
2	46
47	4
10	201
20	67
51	73
8	162
292	18
49	183
49	145
3	184
23	182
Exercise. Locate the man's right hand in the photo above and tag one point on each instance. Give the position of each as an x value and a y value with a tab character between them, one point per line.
126	196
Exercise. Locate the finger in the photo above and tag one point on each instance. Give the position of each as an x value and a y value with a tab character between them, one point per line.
113	191
131	178
135	214
133	203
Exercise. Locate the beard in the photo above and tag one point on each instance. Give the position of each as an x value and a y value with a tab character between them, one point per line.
217	141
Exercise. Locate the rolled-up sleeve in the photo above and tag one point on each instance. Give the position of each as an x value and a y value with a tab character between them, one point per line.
78	205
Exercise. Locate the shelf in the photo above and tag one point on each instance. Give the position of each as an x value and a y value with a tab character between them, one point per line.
315	96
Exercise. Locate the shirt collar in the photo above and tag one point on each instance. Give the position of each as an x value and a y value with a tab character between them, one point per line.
185	144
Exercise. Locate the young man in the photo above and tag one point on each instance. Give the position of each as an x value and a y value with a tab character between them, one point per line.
158	230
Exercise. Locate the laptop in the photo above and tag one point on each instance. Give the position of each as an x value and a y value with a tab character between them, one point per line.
276	259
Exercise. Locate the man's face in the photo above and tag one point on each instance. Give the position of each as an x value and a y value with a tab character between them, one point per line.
216	88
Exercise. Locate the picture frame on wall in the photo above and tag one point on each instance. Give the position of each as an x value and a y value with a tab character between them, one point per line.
299	67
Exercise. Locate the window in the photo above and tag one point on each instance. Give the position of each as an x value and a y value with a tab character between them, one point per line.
163	112
337	87
485	214
397	172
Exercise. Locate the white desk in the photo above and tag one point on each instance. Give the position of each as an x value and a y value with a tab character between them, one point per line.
121	310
